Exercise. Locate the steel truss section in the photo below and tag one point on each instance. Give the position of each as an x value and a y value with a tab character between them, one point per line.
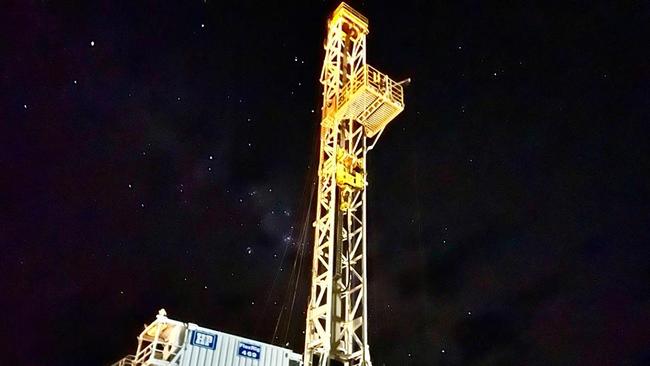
335	325
358	103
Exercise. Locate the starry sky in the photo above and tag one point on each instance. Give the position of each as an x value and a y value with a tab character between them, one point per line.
162	155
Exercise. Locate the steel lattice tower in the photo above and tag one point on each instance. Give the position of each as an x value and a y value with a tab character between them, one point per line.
358	103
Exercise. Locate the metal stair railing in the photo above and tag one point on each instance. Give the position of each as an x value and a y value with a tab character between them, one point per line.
126	361
142	356
157	353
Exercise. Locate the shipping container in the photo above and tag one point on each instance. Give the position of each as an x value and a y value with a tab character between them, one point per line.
171	342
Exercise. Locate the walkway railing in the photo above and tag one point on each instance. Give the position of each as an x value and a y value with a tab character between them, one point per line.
372	78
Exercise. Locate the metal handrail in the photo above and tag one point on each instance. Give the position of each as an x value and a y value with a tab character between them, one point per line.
143	355
385	85
373	78
152	350
156	351
126	361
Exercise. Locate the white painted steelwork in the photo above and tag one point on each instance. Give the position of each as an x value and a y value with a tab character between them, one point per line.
358	103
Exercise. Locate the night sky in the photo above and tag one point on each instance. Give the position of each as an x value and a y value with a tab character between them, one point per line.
162	155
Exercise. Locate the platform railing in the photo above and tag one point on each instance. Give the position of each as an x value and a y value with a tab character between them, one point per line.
385	85
159	353
370	77
126	361
144	355
160	343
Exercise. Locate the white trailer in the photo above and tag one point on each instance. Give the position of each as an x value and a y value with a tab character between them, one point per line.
167	342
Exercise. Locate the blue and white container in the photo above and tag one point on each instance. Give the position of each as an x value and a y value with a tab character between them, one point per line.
170	342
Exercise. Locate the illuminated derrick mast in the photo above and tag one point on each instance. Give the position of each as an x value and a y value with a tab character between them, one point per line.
358	103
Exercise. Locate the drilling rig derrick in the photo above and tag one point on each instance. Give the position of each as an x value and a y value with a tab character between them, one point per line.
358	102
